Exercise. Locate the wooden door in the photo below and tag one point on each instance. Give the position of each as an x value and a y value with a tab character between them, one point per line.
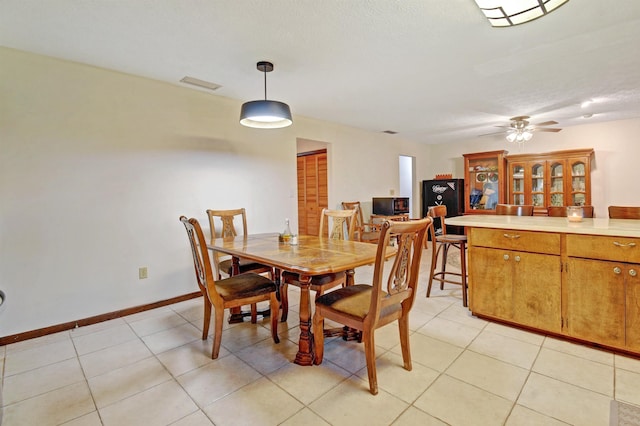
312	191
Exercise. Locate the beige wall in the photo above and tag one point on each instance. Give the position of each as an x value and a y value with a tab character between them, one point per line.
97	166
614	170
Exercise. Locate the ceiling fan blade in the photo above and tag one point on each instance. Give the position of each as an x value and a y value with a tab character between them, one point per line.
545	129
547	123
494	133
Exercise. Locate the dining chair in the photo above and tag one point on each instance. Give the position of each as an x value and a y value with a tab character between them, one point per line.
221	225
232	292
334	224
364	231
514	210
442	242
367	307
561	211
622	212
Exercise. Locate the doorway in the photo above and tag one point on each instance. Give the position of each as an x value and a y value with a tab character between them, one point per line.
407	172
313	194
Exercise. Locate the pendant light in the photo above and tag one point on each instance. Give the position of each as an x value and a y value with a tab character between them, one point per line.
265	114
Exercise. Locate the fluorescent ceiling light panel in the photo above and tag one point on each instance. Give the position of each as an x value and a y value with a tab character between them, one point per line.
506	13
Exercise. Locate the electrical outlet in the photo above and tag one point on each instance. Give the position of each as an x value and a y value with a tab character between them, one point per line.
392	192
142	273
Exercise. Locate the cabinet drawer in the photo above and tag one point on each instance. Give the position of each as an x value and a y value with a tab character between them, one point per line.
509	239
619	249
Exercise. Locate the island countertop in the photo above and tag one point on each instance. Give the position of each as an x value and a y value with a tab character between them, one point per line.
596	226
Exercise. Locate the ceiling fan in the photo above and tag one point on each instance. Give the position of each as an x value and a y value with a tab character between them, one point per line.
521	130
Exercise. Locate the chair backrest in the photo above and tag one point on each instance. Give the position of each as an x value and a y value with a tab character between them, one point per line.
561	211
338	224
221	225
402	278
438	212
355	205
621	212
221	222
201	261
513	210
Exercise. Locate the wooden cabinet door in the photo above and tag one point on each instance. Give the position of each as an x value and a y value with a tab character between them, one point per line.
595	309
517	184
312	192
633	308
491	286
578	182
538	183
537	291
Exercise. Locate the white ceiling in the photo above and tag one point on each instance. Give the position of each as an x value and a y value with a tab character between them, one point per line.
434	71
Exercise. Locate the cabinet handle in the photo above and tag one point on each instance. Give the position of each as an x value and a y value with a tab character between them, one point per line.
617	270
513	236
506	257
517	258
617	244
633	272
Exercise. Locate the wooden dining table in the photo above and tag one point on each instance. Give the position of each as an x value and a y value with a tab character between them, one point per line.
311	256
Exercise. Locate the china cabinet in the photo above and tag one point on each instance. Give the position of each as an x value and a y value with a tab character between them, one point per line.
560	178
484	181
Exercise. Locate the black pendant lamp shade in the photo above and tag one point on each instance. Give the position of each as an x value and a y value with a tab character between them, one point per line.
265	114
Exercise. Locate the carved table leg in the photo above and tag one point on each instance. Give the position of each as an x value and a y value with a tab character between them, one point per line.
305	345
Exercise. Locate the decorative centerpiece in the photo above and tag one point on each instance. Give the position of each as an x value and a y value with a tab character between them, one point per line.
574	213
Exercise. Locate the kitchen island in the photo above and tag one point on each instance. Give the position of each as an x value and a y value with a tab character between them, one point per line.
577	280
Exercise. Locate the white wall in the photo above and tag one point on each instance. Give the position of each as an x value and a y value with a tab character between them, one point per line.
97	166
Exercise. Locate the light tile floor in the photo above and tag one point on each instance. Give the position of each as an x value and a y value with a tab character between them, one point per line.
152	368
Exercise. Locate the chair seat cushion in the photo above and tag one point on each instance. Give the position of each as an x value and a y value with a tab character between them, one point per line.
451	238
245	265
352	300
244	285
332	279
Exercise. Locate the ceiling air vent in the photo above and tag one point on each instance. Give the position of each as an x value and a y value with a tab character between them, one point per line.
200	83
390	132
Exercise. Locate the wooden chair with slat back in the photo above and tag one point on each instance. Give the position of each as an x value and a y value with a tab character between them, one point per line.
367	307
334	224
365	232
232	292
624	212
514	210
442	243
222	225
561	211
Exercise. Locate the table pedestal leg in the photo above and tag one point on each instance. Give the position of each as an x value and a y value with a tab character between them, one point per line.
305	344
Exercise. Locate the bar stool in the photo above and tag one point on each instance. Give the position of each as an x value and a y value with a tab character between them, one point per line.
442	243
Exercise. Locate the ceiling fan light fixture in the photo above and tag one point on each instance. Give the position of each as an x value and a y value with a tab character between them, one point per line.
265	114
507	13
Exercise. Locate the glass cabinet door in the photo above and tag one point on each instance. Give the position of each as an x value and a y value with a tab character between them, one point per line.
516	173
537	185
578	183
557	184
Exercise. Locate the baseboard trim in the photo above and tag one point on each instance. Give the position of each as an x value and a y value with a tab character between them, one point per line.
6	340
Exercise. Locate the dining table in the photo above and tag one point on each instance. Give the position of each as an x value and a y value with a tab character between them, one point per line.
311	256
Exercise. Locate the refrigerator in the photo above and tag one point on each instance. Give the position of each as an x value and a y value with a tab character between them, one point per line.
449	192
